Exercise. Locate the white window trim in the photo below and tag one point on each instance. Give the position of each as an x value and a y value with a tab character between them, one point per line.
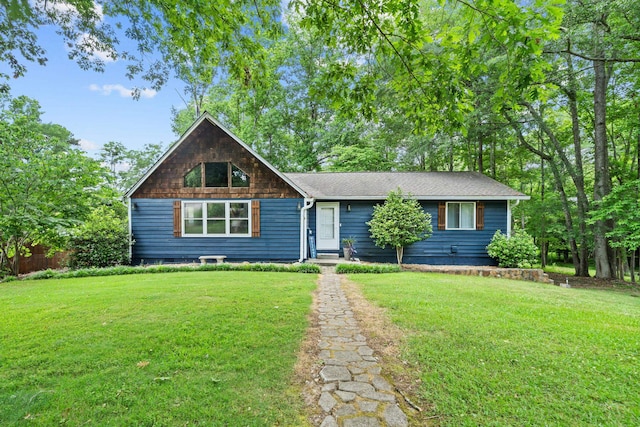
204	218
473	222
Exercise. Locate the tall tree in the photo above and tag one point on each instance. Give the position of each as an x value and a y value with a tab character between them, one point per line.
46	185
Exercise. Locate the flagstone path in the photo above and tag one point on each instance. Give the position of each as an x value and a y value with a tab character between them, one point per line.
354	391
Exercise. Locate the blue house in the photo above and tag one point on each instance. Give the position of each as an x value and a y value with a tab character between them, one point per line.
211	194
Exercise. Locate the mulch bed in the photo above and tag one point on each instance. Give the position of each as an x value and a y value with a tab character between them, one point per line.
592	282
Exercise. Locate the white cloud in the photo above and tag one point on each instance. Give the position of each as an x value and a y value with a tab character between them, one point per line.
87	145
121	90
97	50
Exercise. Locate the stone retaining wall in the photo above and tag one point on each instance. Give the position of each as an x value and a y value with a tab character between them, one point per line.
530	274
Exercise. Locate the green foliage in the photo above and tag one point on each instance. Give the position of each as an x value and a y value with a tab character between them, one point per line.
46	185
102	240
516	251
399	222
354	158
367	268
185	38
623	206
122	270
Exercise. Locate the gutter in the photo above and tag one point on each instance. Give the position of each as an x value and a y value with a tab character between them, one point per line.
308	203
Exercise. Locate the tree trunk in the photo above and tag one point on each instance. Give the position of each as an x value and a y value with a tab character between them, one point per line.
582	265
602	185
399	254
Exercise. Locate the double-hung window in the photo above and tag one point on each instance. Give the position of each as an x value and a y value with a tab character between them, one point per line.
217	218
461	216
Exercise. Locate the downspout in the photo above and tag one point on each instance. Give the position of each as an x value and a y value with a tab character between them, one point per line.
129	203
308	203
509	215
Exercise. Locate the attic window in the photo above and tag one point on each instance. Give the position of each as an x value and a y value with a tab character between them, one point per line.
194	177
218	174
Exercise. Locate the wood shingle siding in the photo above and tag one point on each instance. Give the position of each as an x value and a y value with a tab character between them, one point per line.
209	143
153	232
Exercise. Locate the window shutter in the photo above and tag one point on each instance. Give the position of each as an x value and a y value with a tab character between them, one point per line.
255	218
480	216
442	216
177	218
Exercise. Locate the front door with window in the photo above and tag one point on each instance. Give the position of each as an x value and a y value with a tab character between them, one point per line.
328	226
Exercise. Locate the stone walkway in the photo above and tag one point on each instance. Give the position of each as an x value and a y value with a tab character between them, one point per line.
354	392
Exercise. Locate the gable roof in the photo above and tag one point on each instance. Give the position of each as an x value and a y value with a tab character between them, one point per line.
206	116
421	185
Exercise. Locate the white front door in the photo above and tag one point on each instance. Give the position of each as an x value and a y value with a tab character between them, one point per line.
328	225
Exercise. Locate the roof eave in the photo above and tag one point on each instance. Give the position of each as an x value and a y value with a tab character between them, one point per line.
430	198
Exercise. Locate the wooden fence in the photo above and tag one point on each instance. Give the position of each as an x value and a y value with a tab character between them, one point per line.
38	260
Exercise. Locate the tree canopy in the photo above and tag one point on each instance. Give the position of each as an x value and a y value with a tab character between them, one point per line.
541	95
46	185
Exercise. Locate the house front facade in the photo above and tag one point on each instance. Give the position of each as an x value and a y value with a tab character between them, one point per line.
211	194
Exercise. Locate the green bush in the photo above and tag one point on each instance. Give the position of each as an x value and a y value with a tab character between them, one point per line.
123	270
367	268
516	251
102	241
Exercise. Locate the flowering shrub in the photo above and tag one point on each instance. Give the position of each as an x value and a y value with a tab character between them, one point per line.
517	250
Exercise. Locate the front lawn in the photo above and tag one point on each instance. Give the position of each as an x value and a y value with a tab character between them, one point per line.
202	348
496	352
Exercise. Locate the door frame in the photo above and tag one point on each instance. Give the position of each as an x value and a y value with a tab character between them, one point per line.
328	244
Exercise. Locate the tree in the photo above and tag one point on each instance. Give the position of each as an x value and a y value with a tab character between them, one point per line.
399	222
126	167
190	38
622	204
46	185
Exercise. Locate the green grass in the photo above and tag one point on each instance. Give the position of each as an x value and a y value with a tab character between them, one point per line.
495	352
567	269
200	348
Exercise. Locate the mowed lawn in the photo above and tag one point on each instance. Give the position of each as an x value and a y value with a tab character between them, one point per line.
205	348
495	352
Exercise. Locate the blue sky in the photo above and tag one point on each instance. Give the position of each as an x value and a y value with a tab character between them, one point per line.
97	107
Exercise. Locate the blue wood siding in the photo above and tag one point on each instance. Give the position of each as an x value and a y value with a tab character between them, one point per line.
444	247
152	229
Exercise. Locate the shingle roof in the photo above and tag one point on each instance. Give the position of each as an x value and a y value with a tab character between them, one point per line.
421	185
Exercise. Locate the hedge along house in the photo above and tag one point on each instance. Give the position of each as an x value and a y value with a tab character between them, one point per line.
211	194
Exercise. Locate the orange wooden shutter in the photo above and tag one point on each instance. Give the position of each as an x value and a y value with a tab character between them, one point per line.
480	216
442	216
255	218
177	218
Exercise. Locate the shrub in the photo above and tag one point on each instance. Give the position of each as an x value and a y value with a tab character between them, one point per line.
102	241
516	251
367	268
123	270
